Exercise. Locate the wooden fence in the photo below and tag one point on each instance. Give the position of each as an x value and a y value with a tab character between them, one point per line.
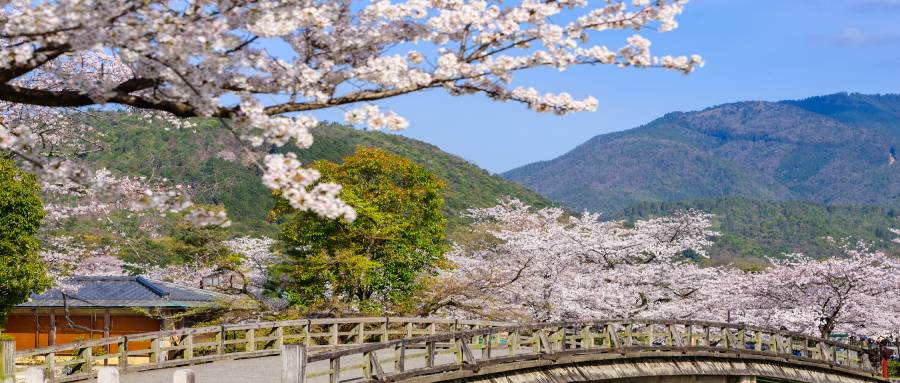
137	352
401	359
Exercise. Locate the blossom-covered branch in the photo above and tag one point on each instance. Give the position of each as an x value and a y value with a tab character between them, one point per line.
187	59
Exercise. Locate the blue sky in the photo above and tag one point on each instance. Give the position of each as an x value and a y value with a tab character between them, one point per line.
754	50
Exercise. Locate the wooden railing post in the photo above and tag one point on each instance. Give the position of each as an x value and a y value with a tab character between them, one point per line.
335	337
305	331
629	335
334	374
123	353
488	344
366	365
154	351
514	342
220	341
293	363
251	340
50	361
279	337
400	356
384	330
429	353
360	333
7	361
188	341
86	355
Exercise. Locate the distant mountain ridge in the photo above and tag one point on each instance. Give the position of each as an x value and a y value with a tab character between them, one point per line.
839	149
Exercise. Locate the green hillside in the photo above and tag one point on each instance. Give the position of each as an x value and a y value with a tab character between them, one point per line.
754	229
198	158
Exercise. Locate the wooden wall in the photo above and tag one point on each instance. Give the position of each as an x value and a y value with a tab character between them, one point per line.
33	329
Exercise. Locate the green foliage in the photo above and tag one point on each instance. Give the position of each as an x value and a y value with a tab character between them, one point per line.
755	229
21	212
183	242
894	368
376	262
135	148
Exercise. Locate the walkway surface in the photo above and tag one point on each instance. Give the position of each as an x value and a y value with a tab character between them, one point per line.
268	369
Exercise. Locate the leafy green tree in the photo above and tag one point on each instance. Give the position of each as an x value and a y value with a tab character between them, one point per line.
377	262
21	212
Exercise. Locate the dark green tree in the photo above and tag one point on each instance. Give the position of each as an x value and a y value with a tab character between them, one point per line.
21	212
377	262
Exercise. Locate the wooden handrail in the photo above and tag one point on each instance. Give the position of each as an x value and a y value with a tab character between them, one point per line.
194	345
334	338
628	339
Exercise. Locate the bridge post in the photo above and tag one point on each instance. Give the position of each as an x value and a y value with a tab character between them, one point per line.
293	363
7	361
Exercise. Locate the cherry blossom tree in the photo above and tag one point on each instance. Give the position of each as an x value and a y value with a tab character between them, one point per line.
545	265
65	257
856	294
218	59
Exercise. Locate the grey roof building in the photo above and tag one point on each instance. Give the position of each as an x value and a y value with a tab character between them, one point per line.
105	306
125	291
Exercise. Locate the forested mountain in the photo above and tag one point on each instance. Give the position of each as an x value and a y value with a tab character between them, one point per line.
753	229
836	150
219	173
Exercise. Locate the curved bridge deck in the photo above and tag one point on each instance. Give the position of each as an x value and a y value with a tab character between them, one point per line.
435	350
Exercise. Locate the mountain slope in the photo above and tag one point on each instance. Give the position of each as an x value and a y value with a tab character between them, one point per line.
752	229
834	150
202	157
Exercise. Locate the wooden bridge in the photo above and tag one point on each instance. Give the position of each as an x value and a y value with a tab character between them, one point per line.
430	350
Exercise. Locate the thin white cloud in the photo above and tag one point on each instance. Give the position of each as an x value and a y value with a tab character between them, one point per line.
851	36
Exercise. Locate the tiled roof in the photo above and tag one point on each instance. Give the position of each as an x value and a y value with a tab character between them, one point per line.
126	291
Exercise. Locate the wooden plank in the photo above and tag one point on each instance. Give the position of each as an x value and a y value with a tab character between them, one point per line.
614	341
545	346
675	336
375	366
467	356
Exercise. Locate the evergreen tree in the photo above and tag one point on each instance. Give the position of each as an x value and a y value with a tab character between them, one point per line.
21	212
377	262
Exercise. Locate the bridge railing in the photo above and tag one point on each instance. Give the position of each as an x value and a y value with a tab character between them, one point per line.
81	360
478	348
